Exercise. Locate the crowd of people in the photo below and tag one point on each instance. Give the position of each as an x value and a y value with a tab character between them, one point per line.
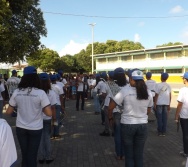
122	98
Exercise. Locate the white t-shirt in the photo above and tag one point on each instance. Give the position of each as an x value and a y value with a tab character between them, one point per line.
58	91
80	86
8	154
12	84
2	89
134	110
64	81
163	90
90	81
60	84
151	86
183	97
29	103
53	101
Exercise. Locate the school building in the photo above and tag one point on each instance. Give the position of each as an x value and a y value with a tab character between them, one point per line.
171	59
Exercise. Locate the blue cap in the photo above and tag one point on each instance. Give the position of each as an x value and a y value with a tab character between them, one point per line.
185	75
44	76
119	70
136	74
14	72
111	74
58	76
148	74
53	77
97	75
164	75
30	70
103	74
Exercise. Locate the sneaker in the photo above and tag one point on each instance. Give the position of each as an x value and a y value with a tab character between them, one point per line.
160	134
104	134
163	134
41	161
183	154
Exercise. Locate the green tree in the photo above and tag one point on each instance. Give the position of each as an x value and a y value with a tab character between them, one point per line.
169	44
45	59
21	26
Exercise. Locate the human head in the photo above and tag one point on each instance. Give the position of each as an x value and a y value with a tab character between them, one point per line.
111	74
14	73
30	78
164	76
104	76
119	76
137	81
185	77
53	78
45	82
148	75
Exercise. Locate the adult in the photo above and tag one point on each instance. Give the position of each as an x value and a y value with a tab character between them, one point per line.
59	107
12	85
136	102
182	113
45	144
2	97
8	154
80	91
121	81
162	103
31	102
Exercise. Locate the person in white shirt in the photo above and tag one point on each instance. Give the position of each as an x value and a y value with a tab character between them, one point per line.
45	145
151	84
136	102
162	103
2	98
80	91
31	102
182	113
8	154
12	82
59	107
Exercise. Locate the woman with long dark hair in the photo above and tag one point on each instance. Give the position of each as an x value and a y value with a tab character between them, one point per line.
45	145
31	102
136	101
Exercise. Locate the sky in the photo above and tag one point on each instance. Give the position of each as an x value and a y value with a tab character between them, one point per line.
150	22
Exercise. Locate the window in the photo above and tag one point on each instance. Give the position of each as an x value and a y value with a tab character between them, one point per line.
157	56
139	57
173	55
174	70
157	71
102	60
126	58
112	59
186	53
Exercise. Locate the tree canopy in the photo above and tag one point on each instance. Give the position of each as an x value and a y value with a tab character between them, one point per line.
21	26
169	44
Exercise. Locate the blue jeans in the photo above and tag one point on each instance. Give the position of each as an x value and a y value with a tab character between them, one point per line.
96	102
161	118
29	141
1	108
56	128
134	137
117	135
45	144
184	127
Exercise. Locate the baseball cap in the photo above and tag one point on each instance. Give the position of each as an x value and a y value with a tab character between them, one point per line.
44	76
148	74
53	77
97	75
111	74
30	70
103	74
58	76
119	70
185	75
60	72
136	74
14	72
164	75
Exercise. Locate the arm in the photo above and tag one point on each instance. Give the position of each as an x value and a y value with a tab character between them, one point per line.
178	109
155	100
47	110
148	110
169	103
62	101
10	109
111	106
